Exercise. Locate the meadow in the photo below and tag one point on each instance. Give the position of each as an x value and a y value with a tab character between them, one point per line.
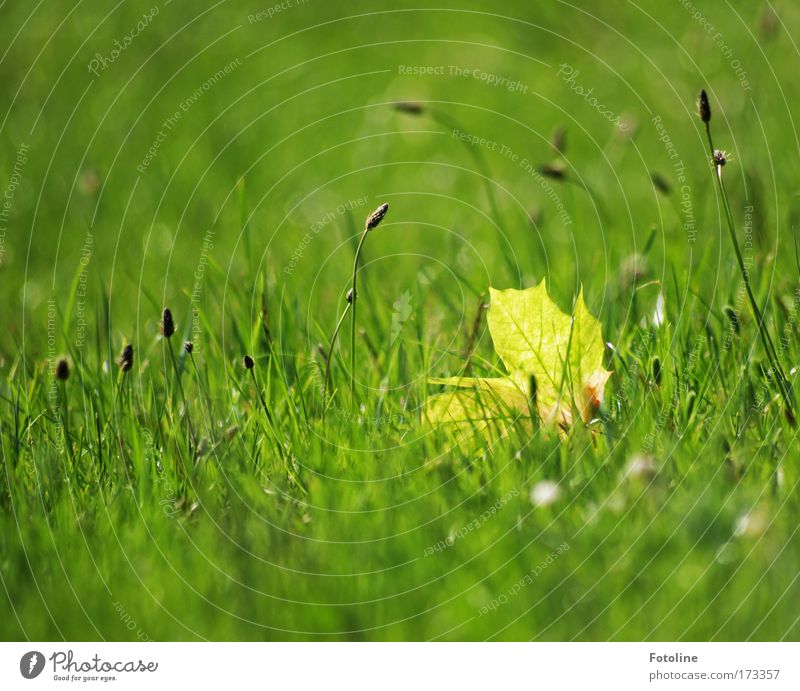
220	160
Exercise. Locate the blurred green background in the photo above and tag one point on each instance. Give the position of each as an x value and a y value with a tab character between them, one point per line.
302	118
250	141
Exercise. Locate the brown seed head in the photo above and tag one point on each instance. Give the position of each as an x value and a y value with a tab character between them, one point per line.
555	170
167	323
188	347
374	219
248	362
558	140
733	317
660	183
720	158
62	369
126	358
703	106
409	107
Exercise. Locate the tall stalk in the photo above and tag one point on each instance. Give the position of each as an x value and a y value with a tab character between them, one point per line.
719	158
327	376
352	295
372	222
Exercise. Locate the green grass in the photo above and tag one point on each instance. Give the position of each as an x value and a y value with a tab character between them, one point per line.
192	499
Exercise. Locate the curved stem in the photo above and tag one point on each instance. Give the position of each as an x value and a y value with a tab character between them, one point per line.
354	297
183	395
327	377
766	340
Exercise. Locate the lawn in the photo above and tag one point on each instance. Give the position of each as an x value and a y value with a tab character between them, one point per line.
220	160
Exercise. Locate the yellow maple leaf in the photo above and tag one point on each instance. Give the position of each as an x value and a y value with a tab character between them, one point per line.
557	354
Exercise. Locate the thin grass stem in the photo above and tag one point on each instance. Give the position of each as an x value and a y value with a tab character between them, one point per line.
327	376
763	332
353	298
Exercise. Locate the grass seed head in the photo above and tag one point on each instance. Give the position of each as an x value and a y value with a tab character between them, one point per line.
733	317
661	183
126	358
62	370
633	270
167	323
555	170
188	347
558	140
375	218
703	106
657	370
409	107
248	362
720	158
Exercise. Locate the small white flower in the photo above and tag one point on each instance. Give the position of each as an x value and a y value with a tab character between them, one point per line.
641	467
545	493
751	524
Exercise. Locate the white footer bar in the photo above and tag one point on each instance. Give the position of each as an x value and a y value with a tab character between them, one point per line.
389	666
